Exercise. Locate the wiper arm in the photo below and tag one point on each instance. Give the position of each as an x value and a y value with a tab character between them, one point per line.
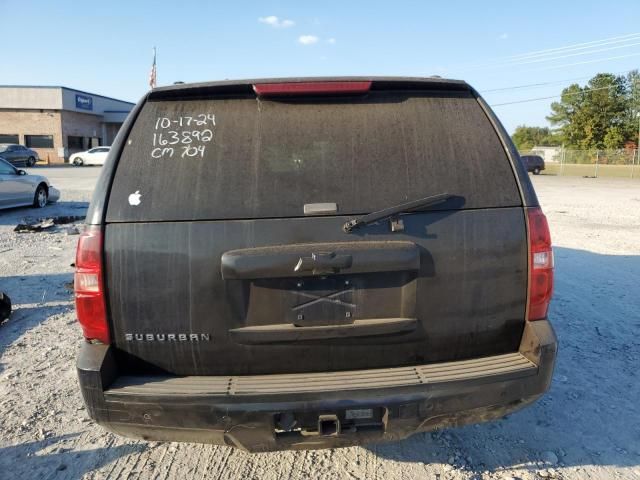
391	211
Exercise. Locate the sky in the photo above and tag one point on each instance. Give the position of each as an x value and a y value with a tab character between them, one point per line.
106	47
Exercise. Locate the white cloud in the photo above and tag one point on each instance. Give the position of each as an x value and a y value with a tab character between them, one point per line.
503	36
276	22
332	41
308	39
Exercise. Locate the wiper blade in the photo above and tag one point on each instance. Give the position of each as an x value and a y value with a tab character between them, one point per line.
391	211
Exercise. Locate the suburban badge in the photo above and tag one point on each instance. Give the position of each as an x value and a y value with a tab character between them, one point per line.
167	337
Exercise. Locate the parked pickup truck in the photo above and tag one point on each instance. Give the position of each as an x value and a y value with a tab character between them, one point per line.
311	263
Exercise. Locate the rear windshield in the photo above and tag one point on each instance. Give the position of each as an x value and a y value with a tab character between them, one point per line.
236	158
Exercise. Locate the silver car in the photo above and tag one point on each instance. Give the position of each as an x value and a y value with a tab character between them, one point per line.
18	189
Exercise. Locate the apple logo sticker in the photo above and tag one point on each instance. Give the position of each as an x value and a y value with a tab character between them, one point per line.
134	198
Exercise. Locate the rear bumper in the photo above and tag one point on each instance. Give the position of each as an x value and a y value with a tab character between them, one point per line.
317	410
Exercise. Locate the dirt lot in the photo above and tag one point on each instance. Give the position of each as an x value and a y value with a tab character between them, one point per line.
588	426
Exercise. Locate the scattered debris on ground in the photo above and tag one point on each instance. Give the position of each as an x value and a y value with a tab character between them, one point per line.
34	226
63	219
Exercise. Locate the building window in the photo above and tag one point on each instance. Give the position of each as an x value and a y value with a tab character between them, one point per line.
74	143
38	141
8	138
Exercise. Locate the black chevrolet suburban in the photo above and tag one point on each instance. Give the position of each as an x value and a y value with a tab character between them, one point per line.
312	262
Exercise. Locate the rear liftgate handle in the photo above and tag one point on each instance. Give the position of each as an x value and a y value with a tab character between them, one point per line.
319	263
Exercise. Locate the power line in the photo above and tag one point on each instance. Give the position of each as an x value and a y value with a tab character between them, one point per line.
590	52
565	65
557	50
590	61
553	54
525	101
544	84
553	96
577	46
512	63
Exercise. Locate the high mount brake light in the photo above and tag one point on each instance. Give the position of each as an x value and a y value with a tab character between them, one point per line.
310	88
88	285
540	264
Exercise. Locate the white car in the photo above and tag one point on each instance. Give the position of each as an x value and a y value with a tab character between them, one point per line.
95	156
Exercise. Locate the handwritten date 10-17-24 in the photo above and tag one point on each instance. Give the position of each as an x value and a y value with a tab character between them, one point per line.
162	123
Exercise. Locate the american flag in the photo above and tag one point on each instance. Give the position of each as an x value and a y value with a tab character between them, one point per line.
153	73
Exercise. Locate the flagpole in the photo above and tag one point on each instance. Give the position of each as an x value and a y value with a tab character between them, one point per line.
153	74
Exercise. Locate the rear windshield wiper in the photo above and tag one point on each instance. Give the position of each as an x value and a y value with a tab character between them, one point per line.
391	211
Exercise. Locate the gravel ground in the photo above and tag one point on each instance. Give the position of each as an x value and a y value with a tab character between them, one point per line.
588	426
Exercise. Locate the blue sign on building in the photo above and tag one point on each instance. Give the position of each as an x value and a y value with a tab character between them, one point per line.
84	102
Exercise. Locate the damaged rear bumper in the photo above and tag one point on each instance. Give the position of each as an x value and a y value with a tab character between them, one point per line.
316	410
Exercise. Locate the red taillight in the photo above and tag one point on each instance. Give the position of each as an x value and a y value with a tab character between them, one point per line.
310	88
90	302
540	264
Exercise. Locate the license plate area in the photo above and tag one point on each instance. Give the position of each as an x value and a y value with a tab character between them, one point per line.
321	301
331	299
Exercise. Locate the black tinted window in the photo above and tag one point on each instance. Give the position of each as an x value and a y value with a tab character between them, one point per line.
74	142
249	158
8	138
39	141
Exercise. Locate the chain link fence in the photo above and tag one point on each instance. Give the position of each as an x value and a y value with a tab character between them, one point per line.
622	163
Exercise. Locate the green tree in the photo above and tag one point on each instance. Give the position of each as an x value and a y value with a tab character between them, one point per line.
586	115
614	138
525	138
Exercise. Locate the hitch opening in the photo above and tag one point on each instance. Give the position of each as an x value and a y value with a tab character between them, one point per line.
328	425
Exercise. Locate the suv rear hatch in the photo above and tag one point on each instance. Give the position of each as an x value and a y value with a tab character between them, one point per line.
225	252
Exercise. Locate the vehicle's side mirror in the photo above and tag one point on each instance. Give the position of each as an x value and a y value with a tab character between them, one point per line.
21	172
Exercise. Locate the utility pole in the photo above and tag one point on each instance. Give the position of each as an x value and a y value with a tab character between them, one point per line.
635	87
638	147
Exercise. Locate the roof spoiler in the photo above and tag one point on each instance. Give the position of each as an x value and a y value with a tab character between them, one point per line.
245	88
